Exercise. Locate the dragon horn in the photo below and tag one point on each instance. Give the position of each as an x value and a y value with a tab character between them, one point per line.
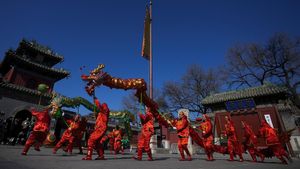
101	66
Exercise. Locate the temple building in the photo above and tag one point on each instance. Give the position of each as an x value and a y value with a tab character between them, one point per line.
252	105
21	72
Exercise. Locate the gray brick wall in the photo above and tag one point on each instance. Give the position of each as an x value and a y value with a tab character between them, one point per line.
12	101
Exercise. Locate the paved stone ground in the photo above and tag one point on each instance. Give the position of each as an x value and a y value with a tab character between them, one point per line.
10	158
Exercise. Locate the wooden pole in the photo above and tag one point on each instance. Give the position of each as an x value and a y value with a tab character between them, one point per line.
151	57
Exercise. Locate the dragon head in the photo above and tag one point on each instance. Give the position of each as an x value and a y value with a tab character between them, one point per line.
95	78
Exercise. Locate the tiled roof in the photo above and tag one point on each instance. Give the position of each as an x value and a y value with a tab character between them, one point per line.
22	89
46	50
43	67
264	90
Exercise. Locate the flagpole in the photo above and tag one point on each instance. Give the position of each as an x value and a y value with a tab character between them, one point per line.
151	57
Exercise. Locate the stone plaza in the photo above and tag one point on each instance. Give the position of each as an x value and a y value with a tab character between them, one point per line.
11	158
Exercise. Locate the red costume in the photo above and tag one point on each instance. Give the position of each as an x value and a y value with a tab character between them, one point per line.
79	135
111	141
100	148
69	135
207	136
40	130
273	141
117	134
99	130
250	142
182	127
146	132
233	144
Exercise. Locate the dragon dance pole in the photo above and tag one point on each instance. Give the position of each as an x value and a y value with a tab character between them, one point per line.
151	56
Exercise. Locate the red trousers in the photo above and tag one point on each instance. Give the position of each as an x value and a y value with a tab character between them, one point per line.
144	141
234	147
183	148
95	141
72	140
279	151
100	148
208	144
78	142
96	136
36	136
253	151
117	146
65	138
111	144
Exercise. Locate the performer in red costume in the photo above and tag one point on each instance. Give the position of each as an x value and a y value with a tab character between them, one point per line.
100	129
79	135
75	132
182	127
69	135
207	136
40	129
111	141
273	141
147	121
233	144
250	142
117	133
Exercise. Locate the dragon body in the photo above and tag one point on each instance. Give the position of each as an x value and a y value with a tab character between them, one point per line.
60	101
98	77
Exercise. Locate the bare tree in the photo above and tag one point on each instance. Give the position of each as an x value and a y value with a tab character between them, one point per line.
278	61
243	66
196	84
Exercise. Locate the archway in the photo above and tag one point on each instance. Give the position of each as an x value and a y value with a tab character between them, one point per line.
16	126
23	114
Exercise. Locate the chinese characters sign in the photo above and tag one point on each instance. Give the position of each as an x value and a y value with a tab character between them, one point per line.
240	104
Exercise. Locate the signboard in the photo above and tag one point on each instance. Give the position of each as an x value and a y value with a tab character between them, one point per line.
240	104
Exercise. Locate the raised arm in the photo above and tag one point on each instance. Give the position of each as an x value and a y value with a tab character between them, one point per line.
145	118
97	103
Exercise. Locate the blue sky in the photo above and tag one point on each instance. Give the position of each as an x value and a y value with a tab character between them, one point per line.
90	32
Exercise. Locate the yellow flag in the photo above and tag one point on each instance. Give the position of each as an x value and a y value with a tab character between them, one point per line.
146	37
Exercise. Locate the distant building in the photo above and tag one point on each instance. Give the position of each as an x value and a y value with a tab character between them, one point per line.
21	71
252	105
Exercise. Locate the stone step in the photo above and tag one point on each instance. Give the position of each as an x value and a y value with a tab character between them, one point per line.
162	151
